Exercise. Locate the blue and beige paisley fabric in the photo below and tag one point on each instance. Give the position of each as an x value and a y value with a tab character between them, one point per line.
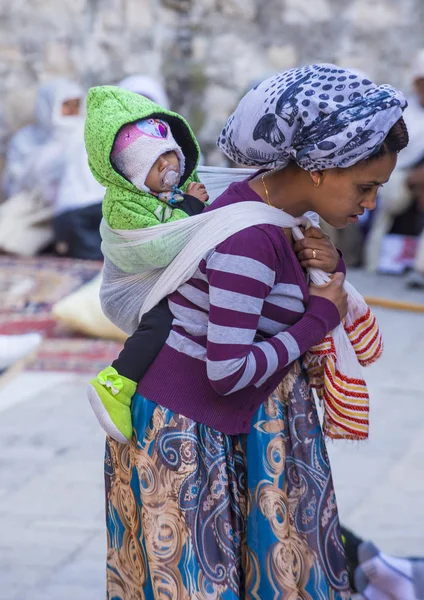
320	116
193	514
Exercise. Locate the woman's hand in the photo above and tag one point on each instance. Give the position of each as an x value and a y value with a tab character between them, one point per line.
334	291
316	250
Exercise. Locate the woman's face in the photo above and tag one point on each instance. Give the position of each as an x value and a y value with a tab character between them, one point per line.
344	194
71	108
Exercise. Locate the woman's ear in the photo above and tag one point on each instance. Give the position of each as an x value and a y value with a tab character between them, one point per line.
316	177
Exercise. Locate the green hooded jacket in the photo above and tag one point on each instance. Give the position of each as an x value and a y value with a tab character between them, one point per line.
124	206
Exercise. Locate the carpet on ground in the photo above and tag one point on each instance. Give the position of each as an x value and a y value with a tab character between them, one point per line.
28	289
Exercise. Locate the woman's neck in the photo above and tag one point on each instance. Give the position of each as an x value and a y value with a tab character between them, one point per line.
286	189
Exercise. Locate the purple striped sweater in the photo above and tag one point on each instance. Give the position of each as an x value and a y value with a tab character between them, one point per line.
239	323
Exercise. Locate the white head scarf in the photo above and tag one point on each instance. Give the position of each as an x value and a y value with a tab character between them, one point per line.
50	98
417	67
146	86
24	147
414	119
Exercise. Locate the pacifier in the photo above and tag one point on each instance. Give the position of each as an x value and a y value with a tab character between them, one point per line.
169	177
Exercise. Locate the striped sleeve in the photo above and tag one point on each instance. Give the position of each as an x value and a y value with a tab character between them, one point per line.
241	273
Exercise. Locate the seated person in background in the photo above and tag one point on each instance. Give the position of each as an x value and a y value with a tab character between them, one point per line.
35	163
399	207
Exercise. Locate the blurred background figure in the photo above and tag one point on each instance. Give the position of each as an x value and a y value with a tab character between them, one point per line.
380	576
14	348
146	86
30	157
78	206
400	207
35	163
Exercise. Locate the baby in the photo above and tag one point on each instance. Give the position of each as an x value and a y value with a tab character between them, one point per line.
150	177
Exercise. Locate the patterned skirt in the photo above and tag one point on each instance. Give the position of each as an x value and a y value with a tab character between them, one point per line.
194	514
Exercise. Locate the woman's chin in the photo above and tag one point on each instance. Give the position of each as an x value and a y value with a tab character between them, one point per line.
339	223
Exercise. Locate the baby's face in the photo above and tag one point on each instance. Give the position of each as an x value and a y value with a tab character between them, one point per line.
155	180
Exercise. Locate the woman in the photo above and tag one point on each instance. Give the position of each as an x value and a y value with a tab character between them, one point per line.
225	492
35	164
399	210
34	155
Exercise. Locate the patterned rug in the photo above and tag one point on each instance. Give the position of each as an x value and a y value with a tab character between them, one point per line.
28	289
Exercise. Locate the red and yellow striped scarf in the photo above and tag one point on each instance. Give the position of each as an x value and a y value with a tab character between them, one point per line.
334	369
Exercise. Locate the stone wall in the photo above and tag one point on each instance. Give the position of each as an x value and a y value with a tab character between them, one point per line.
208	51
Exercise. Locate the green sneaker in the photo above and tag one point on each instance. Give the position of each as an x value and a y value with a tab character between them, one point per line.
110	397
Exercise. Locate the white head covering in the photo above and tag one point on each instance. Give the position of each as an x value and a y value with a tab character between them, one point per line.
414	119
417	67
146	86
25	167
50	98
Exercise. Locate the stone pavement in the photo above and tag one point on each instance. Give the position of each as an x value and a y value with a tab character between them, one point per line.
52	539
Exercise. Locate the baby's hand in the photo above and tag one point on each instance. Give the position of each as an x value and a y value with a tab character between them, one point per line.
198	190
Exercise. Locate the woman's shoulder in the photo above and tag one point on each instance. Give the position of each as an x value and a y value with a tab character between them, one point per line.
265	244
